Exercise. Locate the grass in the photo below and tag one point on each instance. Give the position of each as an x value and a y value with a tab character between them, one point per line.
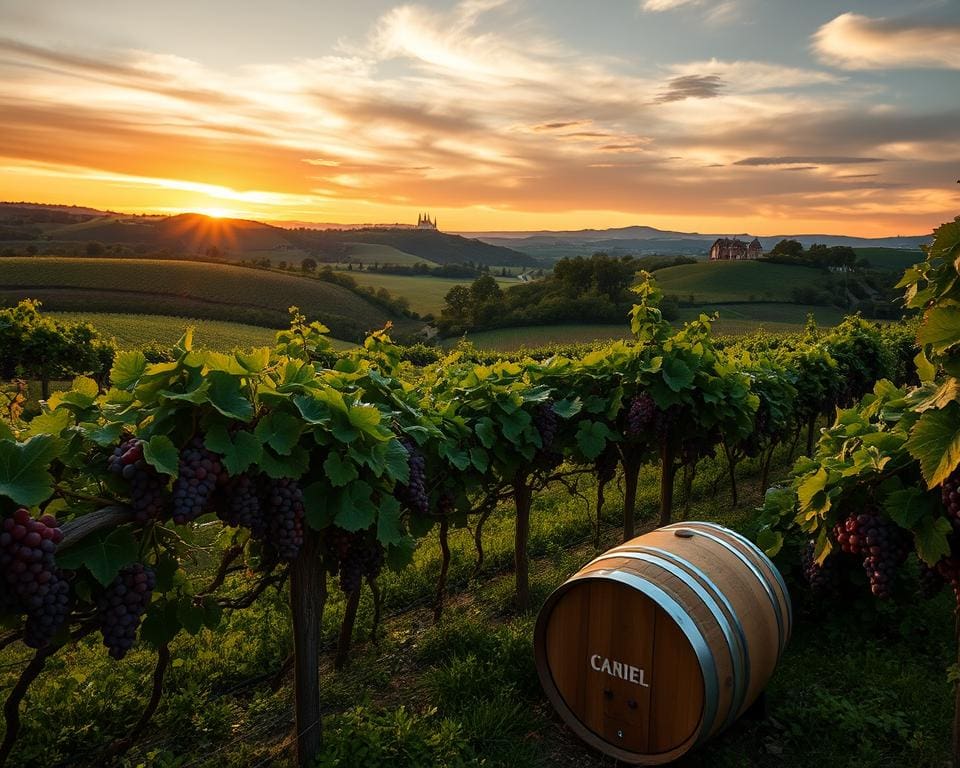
509	339
893	259
376	253
183	288
857	688
424	293
736	319
135	331
725	281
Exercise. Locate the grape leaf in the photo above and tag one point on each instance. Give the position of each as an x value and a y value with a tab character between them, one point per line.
355	510
935	443
127	369
227	397
23	469
160	453
339	471
191	616
51	423
255	360
486	431
102	553
238	452
592	438
292	466
161	624
280	431
396	461
677	374
940	328
567	408
930	539
389	530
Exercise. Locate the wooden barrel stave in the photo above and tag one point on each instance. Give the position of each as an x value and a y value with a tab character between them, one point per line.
697	609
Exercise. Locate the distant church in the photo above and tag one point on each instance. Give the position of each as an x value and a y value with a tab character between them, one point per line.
423	222
733	249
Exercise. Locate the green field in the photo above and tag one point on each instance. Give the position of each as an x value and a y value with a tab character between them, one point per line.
736	319
134	331
375	253
186	289
425	294
722	281
894	259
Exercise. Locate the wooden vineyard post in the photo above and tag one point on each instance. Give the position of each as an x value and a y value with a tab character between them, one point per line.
667	471
631	476
346	628
308	596
522	496
956	698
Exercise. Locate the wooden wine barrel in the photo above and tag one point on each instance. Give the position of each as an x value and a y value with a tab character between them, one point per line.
663	641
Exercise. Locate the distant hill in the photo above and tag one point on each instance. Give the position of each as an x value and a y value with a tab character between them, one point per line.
22	224
642	239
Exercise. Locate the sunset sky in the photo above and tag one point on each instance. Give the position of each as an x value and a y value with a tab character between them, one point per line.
767	116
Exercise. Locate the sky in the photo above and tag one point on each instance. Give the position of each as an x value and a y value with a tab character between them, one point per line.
760	116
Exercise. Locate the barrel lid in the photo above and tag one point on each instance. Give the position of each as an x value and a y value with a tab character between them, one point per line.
619	667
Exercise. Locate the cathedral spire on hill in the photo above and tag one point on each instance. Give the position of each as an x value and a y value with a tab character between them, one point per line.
424	222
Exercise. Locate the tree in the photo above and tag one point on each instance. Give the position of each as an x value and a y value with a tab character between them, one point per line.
94	248
308	265
793	248
456	307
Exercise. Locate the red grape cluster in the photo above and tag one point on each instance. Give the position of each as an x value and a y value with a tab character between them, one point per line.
881	543
29	569
239	505
148	489
641	415
199	474
282	502
950	494
547	424
823	578
120	606
931	582
413	494
606	464
353	556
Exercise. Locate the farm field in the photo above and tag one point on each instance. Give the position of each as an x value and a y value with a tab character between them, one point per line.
893	259
726	281
187	289
135	331
425	294
376	253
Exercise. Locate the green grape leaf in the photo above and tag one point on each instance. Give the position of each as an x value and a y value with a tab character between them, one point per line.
190	614
355	509
930	539
567	408
162	623
400	555
770	541
456	456
339	471
50	423
127	369
907	506
395	461
935	443
940	328
292	466
318	511
226	395
364	417
677	374
811	493
479	458
102	553
239	451
212	612
389	530
255	360
23	469
486	431
592	438
281	431
160	453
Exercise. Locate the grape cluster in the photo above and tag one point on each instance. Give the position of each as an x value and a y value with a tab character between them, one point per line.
950	494
698	445
823	578
446	505
606	465
353	556
547	424
200	473
931	582
641	415
29	570
881	543
413	494
239	505
148	489
282	502
120	606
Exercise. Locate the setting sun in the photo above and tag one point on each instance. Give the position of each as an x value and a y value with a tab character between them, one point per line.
218	213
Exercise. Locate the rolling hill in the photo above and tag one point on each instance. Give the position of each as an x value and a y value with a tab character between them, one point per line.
189	289
735	281
50	228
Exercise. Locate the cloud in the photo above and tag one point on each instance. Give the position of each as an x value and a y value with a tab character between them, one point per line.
854	41
745	76
692	87
657	6
806	159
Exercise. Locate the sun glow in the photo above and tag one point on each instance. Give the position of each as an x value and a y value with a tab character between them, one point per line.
218	213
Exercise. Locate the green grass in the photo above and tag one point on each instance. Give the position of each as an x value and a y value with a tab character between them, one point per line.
737	319
425	294
724	281
862	686
509	339
187	289
134	331
893	259
376	253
